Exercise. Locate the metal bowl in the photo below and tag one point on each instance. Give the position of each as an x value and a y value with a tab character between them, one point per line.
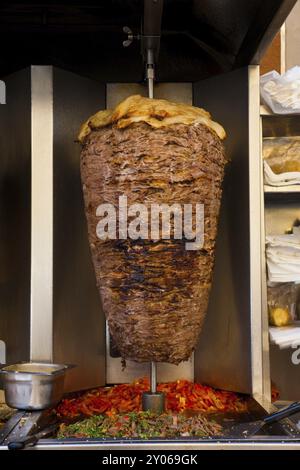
33	385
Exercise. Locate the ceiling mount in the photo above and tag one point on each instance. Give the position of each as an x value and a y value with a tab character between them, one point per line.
149	37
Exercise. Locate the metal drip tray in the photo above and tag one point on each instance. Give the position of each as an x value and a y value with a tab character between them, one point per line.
270	437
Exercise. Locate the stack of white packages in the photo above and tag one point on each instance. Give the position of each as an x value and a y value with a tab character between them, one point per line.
283	257
281	92
281	179
285	336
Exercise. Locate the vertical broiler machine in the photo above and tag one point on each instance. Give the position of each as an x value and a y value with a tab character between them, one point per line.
50	307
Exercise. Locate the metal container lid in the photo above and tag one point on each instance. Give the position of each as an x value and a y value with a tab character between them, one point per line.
39	368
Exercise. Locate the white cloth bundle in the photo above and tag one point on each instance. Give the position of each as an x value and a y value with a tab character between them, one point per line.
282	179
283	257
281	92
285	336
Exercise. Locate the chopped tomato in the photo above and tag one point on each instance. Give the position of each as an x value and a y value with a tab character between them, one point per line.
123	398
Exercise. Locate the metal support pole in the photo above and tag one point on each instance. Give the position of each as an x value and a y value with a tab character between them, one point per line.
150	80
153	376
152	401
150	73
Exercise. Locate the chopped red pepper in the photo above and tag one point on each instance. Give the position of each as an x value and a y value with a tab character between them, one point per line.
180	395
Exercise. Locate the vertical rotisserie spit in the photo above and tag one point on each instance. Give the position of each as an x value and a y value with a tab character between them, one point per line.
154	291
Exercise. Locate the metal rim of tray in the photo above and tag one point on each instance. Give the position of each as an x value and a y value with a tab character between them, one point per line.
61	368
267	443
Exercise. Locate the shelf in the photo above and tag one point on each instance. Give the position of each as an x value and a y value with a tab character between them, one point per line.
265	111
282	189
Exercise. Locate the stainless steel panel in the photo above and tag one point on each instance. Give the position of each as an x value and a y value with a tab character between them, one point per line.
41	322
115	373
116	92
260	367
79	326
64	322
266	384
229	353
15	167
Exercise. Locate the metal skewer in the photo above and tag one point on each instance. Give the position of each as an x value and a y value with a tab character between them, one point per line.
150	73
153	400
153	376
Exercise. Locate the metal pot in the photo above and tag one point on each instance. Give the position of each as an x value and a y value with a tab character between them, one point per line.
33	385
